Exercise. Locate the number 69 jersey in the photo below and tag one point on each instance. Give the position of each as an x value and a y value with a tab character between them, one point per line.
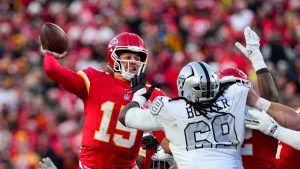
197	141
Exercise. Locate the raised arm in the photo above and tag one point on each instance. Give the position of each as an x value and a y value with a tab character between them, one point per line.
69	79
266	85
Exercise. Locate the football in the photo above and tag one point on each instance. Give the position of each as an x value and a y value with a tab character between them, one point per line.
53	38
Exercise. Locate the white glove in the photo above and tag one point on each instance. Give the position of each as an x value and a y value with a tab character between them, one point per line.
47	164
138	96
261	121
252	49
161	155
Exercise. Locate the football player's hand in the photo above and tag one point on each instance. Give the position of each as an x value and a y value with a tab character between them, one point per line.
47	164
56	55
161	155
252	50
261	121
140	94
149	142
138	83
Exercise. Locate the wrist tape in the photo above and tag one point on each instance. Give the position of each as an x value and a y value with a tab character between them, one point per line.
263	104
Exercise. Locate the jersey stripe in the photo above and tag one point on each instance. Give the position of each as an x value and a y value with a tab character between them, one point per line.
207	79
142	152
86	79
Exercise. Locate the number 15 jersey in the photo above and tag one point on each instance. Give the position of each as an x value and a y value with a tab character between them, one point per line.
106	143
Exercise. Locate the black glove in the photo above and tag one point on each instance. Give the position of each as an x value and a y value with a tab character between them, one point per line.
149	142
140	95
138	82
149	91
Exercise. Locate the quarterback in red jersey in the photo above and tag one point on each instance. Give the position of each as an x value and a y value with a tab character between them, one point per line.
287	157
106	143
258	150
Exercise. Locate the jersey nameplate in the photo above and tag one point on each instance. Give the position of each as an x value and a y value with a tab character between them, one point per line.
217	107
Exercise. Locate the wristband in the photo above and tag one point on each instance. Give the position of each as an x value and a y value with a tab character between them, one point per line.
263	70
263	104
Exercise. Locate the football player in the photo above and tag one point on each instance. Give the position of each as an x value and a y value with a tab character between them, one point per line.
258	150
265	124
287	157
205	127
106	143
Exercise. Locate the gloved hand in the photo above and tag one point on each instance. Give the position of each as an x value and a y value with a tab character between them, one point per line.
161	155
47	164
149	142
261	121
140	94
252	50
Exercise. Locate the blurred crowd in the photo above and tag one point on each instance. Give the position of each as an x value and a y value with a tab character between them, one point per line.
38	118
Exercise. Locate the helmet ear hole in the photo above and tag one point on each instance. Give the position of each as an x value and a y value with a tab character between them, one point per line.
117	66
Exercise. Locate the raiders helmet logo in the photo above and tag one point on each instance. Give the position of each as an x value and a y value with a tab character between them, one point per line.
181	81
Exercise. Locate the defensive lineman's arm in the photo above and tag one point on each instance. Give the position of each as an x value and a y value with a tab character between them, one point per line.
266	124
284	115
132	115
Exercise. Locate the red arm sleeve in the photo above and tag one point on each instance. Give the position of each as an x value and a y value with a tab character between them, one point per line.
69	79
159	135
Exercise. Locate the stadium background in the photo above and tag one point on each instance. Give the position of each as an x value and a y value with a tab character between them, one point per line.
38	118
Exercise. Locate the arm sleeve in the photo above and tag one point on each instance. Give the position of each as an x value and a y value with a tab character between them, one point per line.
289	137
69	79
142	119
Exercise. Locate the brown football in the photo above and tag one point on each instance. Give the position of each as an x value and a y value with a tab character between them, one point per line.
53	38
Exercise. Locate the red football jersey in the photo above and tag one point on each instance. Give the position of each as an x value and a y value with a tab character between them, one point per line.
287	157
106	143
259	151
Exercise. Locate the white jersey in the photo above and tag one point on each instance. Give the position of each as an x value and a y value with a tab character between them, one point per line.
197	141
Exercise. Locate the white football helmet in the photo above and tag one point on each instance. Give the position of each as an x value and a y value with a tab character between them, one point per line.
197	82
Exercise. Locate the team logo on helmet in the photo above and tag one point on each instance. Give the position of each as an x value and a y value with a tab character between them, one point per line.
113	42
180	82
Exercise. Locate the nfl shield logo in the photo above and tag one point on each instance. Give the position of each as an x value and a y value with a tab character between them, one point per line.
126	96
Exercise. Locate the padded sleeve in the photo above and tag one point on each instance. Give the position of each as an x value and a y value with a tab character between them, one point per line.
142	119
